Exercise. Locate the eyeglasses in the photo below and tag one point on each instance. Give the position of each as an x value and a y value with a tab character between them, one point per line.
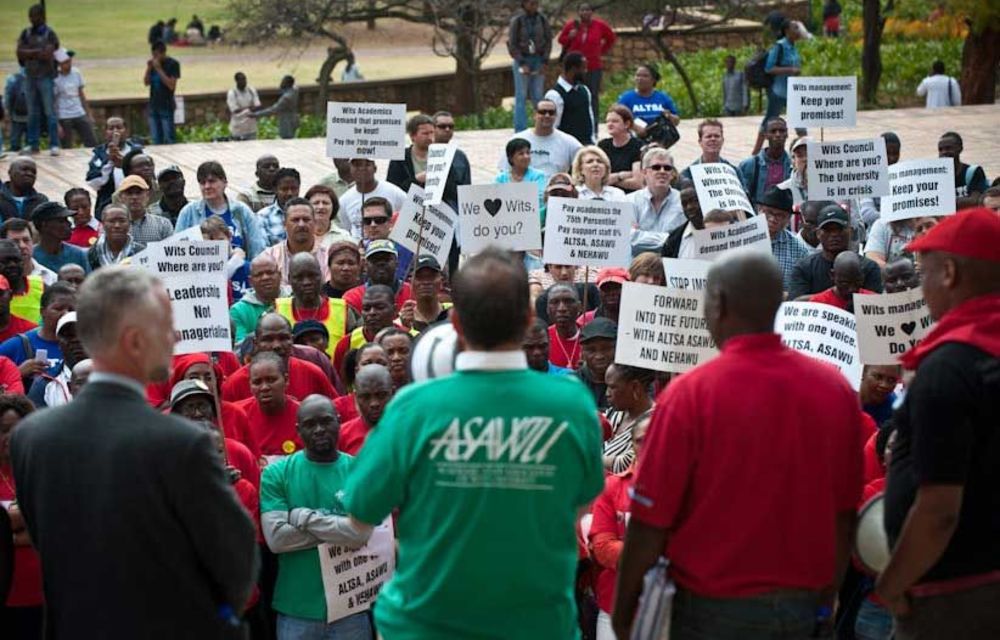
377	220
660	167
443	125
546	112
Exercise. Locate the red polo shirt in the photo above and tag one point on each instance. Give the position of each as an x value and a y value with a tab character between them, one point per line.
346	409
16	326
352	435
275	435
564	353
763	441
304	379
354	296
607	535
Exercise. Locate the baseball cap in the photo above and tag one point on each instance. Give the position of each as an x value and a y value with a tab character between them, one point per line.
974	233
778	199
599	328
611	274
428	262
168	170
832	213
4	284
67	318
560	182
50	211
308	326
800	142
61	55
132	181
186	389
381	246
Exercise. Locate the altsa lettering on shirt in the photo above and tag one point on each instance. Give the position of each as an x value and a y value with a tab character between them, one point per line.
525	440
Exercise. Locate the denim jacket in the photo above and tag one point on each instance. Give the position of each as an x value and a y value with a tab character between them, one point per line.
250	229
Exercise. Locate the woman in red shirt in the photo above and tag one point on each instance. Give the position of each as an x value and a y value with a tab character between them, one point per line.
607	533
271	411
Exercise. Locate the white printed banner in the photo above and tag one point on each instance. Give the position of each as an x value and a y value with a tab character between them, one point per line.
719	187
823	332
438	226
687	274
822	101
365	130
588	233
920	188
847	169
352	579
750	234
501	215
439	159
890	324
662	329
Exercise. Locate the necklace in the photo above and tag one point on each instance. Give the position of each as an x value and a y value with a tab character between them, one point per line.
574	354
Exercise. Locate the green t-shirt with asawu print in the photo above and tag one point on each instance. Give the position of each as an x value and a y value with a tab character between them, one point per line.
488	469
288	483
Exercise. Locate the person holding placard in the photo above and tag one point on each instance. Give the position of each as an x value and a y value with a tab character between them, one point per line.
413	167
591	171
769	167
658	208
710	140
869	208
943	489
776	206
428	282
365	187
812	274
301	507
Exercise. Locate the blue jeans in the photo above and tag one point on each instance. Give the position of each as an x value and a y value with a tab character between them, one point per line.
18	131
775	107
39	92
356	627
524	86
161	126
783	615
873	622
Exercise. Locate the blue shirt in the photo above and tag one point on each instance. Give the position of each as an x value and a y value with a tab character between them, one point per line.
789	57
272	218
559	371
881	412
241	281
648	108
13	348
68	254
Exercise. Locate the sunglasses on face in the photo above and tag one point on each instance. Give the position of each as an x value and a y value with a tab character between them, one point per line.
660	167
445	126
546	112
377	220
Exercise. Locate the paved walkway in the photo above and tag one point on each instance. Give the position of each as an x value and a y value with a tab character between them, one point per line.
919	130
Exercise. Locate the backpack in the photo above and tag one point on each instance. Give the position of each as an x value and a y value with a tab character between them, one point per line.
662	132
754	71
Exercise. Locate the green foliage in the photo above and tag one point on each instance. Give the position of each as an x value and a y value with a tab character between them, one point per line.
310	126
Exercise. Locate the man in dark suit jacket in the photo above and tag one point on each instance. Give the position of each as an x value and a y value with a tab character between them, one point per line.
139	533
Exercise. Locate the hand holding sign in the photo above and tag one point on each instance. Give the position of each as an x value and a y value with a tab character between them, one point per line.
365	130
719	187
438	223
439	159
588	233
503	215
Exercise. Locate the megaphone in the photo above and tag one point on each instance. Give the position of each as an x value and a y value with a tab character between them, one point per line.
434	352
870	540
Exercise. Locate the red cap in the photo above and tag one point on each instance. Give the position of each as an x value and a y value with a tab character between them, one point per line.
611	274
973	233
4	284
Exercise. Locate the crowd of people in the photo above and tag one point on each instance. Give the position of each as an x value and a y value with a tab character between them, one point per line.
147	494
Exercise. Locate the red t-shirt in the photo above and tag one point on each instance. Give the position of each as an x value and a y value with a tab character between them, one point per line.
873	466
762	439
352	435
304	379
84	236
236	426
10	377
26	588
240	457
275	435
564	353
16	326
607	533
354	296
831	298
346	409
592	40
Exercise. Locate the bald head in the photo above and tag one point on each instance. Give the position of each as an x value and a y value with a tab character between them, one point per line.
373	375
847	264
302	262
372	391
742	294
314	405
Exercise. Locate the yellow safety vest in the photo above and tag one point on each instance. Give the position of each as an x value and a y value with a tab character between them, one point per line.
28	305
335	323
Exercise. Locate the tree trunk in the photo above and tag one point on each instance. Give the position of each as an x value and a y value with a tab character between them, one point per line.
333	56
371	21
465	98
668	54
871	52
980	57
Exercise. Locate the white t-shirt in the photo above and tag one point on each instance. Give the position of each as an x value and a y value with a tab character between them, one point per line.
350	204
550	154
236	100
67	95
936	90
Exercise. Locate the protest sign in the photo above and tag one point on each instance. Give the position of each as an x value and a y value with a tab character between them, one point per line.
588	233
822	101
890	324
502	215
191	233
822	332
365	130
194	274
685	273
662	329
750	234
438	222
719	187
439	159
920	188
847	169
352	579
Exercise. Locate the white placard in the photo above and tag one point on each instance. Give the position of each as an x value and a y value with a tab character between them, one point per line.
920	188
352	579
890	324
438	221
588	233
822	332
848	169
752	234
501	215
189	234
439	159
687	274
365	130
194	275
179	112
662	329
822	101
719	187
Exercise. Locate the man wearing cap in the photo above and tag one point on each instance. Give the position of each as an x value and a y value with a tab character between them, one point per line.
145	228
300	237
563	309
609	284
307	302
104	173
365	186
658	208
18	197
812	273
776	207
373	389
51	220
265	288
172	198
52	390
943	491
10	325
426	308
311	333
381	258
597	340
376	224
536	349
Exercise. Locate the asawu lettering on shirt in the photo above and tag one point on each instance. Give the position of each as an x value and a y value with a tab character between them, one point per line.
525	440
